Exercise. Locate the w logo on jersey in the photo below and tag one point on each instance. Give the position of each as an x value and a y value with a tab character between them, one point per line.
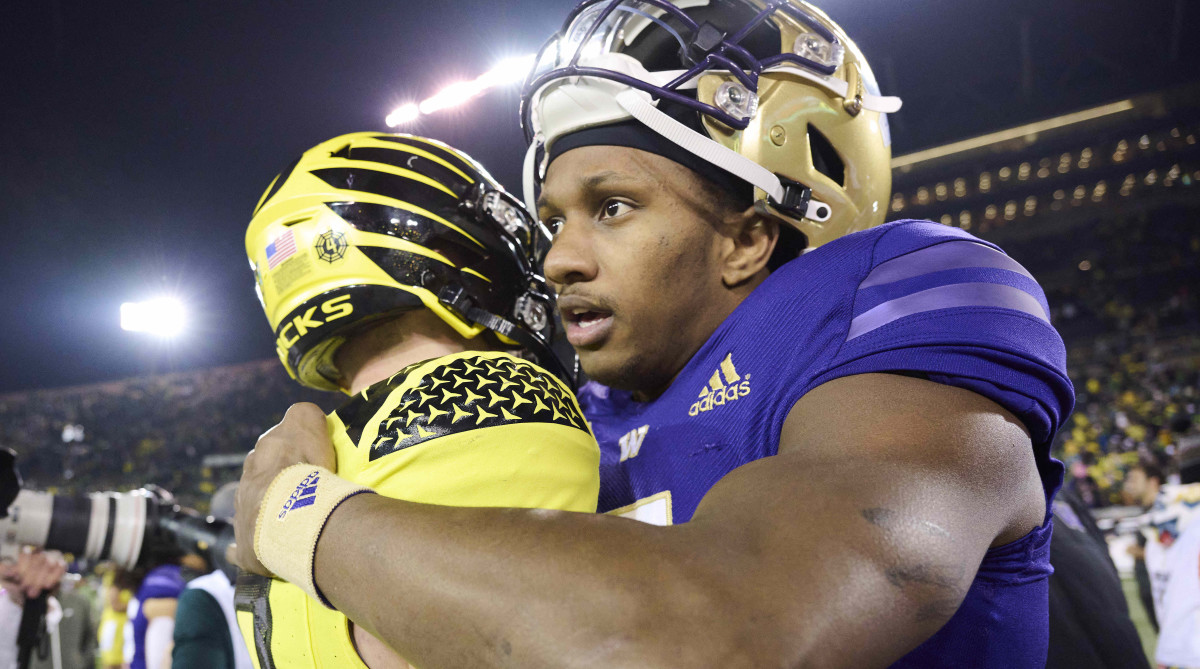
723	387
304	495
631	443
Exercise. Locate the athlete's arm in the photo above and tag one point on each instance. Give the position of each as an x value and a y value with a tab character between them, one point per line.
848	549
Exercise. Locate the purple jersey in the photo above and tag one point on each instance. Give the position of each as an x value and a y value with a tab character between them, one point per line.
908	296
161	582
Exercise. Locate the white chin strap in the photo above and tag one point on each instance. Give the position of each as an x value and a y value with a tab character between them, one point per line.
883	104
639	107
528	175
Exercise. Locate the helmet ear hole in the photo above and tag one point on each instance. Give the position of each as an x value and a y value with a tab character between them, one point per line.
825	158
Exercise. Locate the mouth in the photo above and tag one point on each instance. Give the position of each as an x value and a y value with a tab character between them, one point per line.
587	324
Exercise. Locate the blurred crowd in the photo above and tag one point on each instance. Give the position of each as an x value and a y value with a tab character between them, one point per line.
1128	307
153	430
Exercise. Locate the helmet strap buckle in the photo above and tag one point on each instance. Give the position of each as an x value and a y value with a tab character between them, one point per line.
795	199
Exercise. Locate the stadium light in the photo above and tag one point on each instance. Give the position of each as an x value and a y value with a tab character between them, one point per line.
451	96
506	72
164	317
403	115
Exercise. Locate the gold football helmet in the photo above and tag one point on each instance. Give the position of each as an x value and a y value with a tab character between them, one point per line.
368	225
773	92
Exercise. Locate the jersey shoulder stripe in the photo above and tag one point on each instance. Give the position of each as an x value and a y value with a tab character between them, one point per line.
954	254
948	272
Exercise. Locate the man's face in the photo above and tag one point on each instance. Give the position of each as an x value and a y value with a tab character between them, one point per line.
1138	488
636	263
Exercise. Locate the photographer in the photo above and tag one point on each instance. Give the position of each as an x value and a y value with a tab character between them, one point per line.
33	573
206	632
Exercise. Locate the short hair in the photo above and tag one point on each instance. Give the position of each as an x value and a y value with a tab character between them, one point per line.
791	242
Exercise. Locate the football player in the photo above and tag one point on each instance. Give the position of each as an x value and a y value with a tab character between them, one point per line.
847	450
395	269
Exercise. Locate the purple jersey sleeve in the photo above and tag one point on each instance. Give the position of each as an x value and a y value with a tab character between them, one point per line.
938	301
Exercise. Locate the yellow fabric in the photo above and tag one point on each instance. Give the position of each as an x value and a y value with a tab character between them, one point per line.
471	429
111	634
294	510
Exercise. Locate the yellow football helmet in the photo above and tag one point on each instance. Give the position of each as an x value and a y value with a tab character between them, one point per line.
368	225
772	92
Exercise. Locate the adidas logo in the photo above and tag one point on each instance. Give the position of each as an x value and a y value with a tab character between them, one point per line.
723	387
304	495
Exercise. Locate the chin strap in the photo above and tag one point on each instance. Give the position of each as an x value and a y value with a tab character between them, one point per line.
883	104
456	298
528	177
791	197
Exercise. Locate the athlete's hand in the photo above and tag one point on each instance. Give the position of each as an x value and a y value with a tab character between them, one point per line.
33	573
302	437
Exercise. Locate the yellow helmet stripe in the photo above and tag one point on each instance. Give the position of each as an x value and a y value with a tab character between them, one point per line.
269	191
468	270
360	238
452	154
393	146
344	163
373	198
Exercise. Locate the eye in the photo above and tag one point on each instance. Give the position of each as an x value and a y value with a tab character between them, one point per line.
614	208
554	226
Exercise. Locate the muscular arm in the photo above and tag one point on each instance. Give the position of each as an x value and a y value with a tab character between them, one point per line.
854	544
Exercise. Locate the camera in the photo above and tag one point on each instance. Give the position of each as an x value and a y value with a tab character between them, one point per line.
129	528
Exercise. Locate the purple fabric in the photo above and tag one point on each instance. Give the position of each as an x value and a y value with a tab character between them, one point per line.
954	296
941	257
791	335
869	298
161	582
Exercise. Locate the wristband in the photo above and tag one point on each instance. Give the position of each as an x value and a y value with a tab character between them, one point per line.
294	511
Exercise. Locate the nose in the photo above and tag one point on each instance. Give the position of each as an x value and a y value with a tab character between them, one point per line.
572	257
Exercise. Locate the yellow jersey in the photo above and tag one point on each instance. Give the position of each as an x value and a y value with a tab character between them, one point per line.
469	429
110	633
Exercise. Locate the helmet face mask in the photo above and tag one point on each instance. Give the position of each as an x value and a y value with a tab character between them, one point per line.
367	226
598	27
782	93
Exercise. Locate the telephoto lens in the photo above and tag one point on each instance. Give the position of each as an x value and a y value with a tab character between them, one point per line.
101	526
127	528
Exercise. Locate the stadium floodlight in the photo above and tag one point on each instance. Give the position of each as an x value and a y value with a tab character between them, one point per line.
451	96
164	317
507	71
403	115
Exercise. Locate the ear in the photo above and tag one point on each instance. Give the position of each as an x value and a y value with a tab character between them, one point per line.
750	240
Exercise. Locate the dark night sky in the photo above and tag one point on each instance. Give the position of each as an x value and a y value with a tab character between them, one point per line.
136	137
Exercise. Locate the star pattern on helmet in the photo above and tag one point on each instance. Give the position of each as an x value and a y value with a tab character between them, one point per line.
467	394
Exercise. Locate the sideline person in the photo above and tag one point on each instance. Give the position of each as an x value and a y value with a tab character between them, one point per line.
33	573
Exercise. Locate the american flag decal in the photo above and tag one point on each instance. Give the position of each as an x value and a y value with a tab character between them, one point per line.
281	248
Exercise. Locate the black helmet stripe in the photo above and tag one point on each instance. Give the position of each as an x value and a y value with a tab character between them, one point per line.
404	189
435	149
409	225
410	161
